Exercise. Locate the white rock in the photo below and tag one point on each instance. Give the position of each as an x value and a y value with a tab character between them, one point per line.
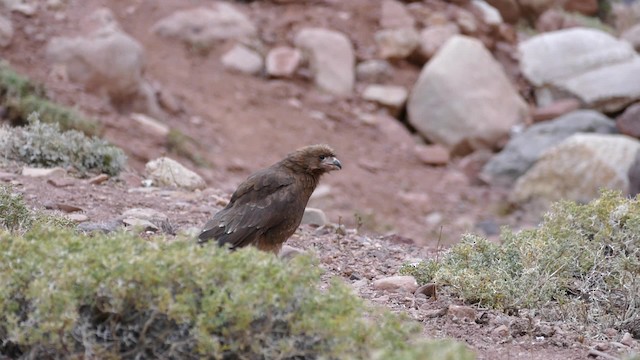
167	172
151	125
332	59
632	35
577	168
397	283
313	216
283	61
434	37
6	31
463	99
490	15
204	26
552	57
43	172
397	43
393	97
373	70
243	59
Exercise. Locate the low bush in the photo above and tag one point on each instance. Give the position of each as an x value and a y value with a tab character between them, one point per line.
20	97
15	216
581	264
116	296
45	145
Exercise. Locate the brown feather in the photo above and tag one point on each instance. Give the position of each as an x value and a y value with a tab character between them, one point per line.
266	209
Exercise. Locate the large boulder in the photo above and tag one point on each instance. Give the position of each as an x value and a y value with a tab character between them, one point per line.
600	70
463	98
523	150
578	168
106	61
332	59
203	27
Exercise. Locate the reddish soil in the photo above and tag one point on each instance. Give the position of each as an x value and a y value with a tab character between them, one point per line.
240	123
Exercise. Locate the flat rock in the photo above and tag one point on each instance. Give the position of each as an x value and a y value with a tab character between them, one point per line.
397	43
103	227
524	149
313	216
463	98
242	59
98	179
77	218
43	172
578	168
555	109
331	57
204	27
374	71
283	61
168	172
390	96
151	125
397	283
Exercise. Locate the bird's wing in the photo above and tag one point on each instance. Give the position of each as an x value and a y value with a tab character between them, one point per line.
255	207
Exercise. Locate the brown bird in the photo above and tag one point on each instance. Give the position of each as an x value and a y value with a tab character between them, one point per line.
266	209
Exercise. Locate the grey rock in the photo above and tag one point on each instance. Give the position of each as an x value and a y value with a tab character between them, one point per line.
139	217
577	169
331	57
243	59
374	71
524	149
403	283
313	216
397	43
463	98
390	96
103	227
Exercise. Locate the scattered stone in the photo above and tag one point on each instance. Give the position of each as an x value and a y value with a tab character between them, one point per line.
486	106
104	227
397	43
524	149
632	35
389	96
393	14
243	59
289	252
374	71
77	218
627	339
168	172
203	27
464	313
629	122
139	223
397	283
62	207
432	154
283	61
313	216
150	125
331	57
41	172
98	179
433	38
6	31
429	290
501	331
555	109
61	182
158	219
490	14
578	168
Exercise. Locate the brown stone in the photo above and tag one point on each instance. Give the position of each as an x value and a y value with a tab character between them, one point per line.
396	283
464	313
432	154
508	9
629	122
555	109
586	7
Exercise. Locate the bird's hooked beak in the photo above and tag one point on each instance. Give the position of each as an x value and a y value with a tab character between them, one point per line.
332	163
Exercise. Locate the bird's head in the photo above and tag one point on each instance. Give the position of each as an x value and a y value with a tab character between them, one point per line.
315	159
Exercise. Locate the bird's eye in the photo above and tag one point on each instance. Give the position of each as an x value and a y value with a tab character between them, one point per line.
322	157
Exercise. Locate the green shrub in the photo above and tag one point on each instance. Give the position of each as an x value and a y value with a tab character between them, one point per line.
41	144
20	98
15	216
581	264
117	296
